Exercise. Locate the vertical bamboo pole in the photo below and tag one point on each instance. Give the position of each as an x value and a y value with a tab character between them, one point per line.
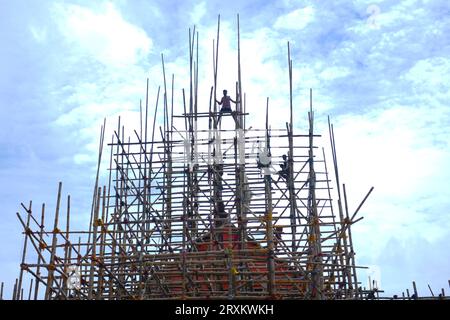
216	66
24	251
196	155
113	245
38	268
346	275
150	170
82	275
230	227
99	160
94	245
335	229
67	248
190	182
210	173
102	257
170	170
241	148
290	179
351	256
122	223
268	218
51	267
415	290
216	164
185	231
31	289
147	174
164	137
313	218
14	294
167	213
239	75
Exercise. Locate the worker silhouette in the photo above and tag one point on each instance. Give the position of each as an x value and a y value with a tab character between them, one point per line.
284	172
226	106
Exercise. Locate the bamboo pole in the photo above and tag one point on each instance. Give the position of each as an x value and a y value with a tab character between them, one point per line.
52	266
24	251
30	290
346	275
103	231
99	160
67	249
41	233
14	294
290	178
269	216
432	293
93	247
351	256
416	295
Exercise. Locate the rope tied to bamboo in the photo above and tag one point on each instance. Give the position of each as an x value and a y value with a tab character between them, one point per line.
42	245
98	223
28	231
234	271
51	267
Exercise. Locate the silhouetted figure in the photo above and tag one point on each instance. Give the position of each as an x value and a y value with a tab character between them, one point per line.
370	295
284	172
277	232
226	105
220	213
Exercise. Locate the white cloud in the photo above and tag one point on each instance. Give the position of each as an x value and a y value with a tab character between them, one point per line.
392	149
39	33
80	159
334	73
105	70
430	74
104	35
295	20
396	145
198	12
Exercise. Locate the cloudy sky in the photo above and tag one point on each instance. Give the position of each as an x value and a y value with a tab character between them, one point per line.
378	68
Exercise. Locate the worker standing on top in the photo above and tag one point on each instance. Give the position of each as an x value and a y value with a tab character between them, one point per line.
226	106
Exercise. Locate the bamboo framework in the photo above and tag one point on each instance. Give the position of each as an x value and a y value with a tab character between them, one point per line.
196	209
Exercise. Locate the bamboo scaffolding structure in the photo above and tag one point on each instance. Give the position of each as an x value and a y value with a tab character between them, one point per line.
194	213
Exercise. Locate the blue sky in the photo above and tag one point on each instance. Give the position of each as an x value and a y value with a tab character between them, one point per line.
382	77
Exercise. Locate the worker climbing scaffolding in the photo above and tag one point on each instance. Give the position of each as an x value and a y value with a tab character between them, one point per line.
284	172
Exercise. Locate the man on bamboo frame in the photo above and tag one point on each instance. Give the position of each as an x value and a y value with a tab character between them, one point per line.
284	172
226	106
